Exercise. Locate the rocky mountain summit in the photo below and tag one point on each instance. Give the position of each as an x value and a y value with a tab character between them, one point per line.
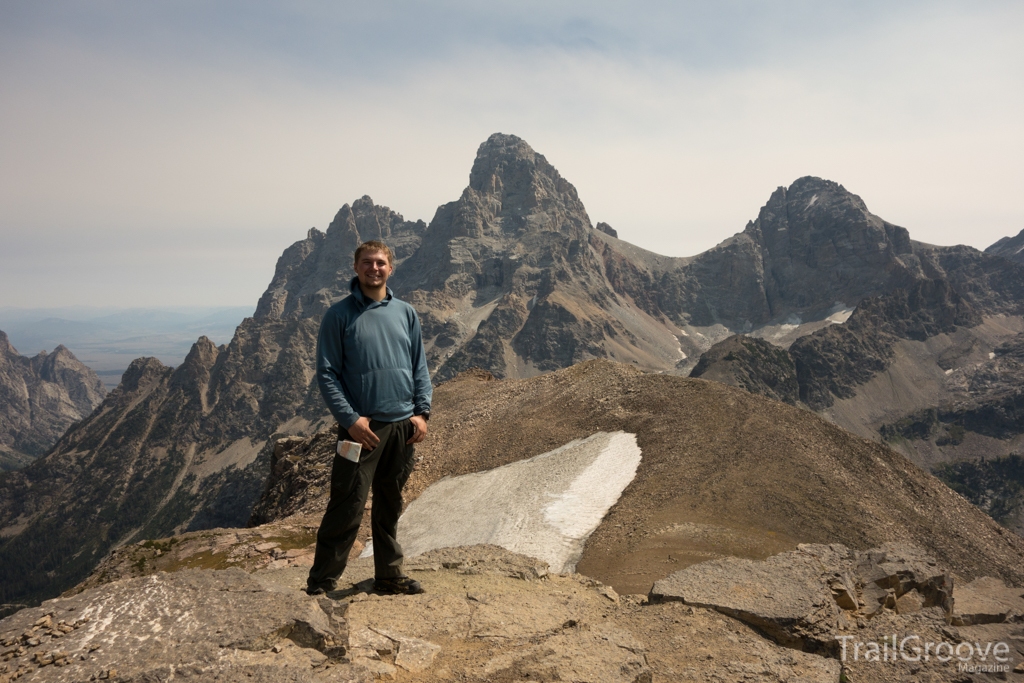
492	615
1009	247
40	397
723	473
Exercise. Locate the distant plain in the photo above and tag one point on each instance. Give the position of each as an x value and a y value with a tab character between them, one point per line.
109	339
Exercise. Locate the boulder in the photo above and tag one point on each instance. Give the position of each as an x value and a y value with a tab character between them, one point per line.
803	598
784	596
207	624
987	600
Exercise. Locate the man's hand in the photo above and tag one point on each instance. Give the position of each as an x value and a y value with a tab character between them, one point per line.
420	425
361	433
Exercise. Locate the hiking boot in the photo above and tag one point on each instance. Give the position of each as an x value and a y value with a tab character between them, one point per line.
315	590
399	585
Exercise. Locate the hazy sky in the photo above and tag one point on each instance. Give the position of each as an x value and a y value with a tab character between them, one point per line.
165	153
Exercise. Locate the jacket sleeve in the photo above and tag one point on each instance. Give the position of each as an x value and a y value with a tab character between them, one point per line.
422	388
328	369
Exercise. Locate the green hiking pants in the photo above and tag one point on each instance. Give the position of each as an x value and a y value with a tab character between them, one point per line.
386	469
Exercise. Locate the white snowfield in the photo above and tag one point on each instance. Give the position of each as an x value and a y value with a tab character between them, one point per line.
544	507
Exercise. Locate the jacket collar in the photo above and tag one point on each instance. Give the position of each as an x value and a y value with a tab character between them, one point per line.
363	300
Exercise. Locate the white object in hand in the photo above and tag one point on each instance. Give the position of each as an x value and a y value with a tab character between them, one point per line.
349	450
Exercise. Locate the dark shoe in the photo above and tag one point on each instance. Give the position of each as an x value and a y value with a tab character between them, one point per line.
399	585
315	590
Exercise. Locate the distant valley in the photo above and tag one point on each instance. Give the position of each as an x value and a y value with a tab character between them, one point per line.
108	340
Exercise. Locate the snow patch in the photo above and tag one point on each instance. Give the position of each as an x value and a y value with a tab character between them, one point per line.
949	372
811	203
544	507
840	317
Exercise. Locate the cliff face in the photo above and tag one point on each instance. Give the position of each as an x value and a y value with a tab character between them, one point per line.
509	279
813	245
315	272
40	397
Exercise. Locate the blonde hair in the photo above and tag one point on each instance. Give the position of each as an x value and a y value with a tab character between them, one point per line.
371	246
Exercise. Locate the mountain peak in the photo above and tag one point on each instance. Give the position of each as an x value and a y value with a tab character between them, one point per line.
1009	247
507	166
502	158
5	344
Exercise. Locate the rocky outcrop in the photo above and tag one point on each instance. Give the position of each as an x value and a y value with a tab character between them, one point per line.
752	364
846	604
40	397
988	600
487	615
833	361
1011	248
205	624
315	272
804	598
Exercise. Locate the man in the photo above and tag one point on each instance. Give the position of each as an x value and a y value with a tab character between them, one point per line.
372	373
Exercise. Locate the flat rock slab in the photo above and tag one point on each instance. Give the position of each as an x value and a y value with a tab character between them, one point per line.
987	601
208	624
783	596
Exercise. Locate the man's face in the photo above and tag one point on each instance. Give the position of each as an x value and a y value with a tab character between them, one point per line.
373	269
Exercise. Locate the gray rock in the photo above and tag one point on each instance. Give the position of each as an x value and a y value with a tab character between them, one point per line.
784	596
415	654
752	364
987	600
1011	248
214	624
40	397
897	569
803	598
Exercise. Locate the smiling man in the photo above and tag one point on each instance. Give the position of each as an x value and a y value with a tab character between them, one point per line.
372	372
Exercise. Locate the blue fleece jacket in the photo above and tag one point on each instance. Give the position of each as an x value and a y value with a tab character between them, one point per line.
370	360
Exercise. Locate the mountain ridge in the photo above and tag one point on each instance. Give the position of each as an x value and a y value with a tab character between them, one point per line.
40	397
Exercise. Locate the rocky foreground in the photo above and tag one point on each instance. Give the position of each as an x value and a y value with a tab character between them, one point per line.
492	615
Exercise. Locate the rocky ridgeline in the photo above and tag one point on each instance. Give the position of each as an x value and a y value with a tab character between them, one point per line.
492	615
832	362
40	397
1011	248
721	474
